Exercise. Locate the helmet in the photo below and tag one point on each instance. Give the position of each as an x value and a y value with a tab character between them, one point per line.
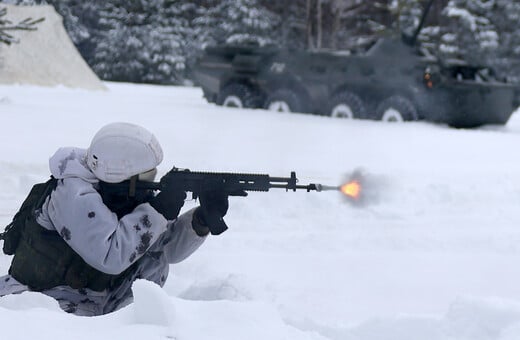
121	150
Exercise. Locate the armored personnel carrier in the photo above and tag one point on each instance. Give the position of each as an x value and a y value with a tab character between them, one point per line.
392	81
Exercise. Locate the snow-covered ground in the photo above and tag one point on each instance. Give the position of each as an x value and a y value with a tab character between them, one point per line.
432	253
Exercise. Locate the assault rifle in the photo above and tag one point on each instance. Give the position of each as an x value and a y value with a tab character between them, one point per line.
232	184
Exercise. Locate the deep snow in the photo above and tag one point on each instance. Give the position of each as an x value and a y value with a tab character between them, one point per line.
432	253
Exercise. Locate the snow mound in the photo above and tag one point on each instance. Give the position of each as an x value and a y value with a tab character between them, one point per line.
468	318
483	318
203	320
45	57
29	300
152	305
232	320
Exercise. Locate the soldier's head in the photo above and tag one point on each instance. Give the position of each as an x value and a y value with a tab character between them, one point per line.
119	151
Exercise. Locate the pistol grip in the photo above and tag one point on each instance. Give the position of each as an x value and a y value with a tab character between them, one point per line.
216	223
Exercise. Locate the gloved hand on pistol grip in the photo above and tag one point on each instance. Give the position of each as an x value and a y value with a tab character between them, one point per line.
214	200
169	203
212	204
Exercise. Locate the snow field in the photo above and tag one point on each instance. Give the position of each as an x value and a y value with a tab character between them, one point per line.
432	252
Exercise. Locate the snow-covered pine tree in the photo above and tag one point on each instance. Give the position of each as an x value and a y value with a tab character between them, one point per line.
361	22
407	15
505	17
291	32
238	21
469	34
196	33
140	41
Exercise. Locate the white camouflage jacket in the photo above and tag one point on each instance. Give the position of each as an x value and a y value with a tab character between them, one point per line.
76	211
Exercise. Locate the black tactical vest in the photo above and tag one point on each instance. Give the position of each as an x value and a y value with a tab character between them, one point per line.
42	259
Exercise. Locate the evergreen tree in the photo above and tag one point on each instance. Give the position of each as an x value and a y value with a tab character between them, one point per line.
407	14
469	34
505	17
140	41
238	21
197	34
359	23
291	30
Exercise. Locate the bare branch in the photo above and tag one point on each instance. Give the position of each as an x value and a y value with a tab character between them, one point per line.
28	24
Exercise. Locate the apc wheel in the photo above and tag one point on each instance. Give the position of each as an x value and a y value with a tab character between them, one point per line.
283	100
347	105
396	109
239	96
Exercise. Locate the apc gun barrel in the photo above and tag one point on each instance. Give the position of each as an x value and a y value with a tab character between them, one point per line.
413	39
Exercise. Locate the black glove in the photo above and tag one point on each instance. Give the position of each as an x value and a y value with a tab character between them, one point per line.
208	217
169	203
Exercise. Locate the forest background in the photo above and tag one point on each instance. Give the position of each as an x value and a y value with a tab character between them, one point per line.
158	41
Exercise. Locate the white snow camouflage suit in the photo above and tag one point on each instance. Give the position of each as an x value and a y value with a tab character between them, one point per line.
103	241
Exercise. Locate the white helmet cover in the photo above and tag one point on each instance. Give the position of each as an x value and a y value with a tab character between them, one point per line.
121	150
